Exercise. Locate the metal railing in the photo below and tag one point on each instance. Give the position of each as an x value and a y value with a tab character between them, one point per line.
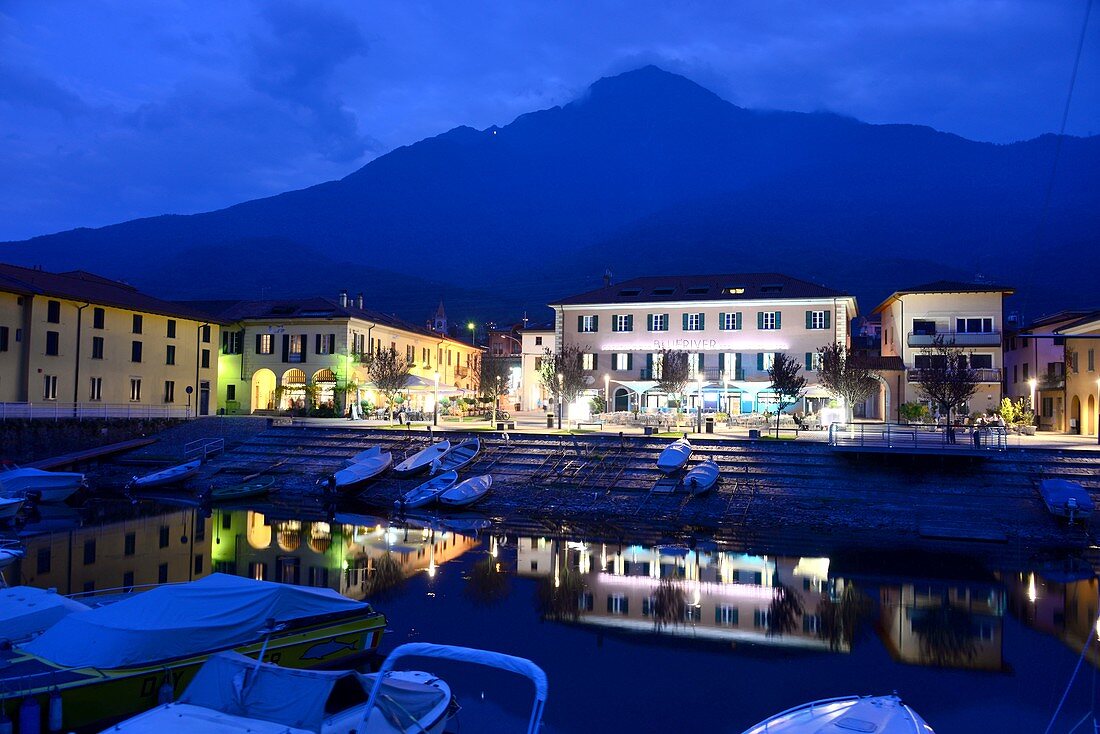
956	338
203	447
57	411
893	436
982	374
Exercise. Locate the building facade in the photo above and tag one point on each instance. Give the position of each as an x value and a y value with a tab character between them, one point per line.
101	347
278	355
535	341
731	327
967	315
1035	367
1082	375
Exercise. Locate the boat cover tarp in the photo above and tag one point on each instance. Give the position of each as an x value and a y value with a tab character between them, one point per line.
233	684
25	611
1058	492
213	613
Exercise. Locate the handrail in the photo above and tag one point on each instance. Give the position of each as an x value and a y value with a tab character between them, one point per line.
204	446
890	435
54	410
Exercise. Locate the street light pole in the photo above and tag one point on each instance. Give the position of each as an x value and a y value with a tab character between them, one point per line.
607	393
1033	383
435	405
726	394
561	388
1097	423
473	332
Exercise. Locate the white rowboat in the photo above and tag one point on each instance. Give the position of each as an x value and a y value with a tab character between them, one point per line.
459	456
171	475
701	477
355	474
467	492
674	456
423	458
878	714
49	486
427	492
364	455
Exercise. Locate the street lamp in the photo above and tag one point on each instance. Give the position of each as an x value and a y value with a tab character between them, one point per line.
1097	423
726	394
607	392
699	404
473	331
435	405
561	388
1033	383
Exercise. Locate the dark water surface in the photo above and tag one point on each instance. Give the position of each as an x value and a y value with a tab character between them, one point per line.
974	644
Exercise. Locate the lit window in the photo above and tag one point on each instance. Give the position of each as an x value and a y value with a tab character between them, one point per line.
768	320
693	322
265	344
49	388
135	389
658	322
816	320
622	362
97	389
588	361
589	324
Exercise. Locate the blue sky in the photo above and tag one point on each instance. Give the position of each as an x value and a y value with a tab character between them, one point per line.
119	109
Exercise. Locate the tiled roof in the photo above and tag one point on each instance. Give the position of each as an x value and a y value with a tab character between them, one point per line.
946	286
1060	317
1088	319
719	287
78	285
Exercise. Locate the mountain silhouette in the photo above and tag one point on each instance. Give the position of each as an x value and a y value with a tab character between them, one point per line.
646	172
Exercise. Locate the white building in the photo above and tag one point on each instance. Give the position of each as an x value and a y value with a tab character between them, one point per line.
536	340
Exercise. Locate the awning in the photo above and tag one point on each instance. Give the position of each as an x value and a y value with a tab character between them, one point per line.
639	386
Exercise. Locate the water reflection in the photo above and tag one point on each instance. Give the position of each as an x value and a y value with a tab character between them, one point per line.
944	624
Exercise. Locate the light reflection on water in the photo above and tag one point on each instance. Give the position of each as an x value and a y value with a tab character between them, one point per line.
634	636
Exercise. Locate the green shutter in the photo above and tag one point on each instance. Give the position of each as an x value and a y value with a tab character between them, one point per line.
580	324
668	321
737	366
737	321
778	320
760	361
702	321
630	322
721	321
702	359
649	322
721	361
827	315
759	319
685	321
809	319
595	323
809	361
649	363
595	361
614	322
629	361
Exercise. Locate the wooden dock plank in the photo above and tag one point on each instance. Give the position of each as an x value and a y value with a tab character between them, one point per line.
76	457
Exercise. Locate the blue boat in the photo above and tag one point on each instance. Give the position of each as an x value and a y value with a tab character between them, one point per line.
1067	499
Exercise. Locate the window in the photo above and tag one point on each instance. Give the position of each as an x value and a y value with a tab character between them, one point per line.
761	618
204	359
1071	358
135	351
622	362
265	344
658	321
663	291
974	325
588	324
135	389
726	616
53	312
1015	373
538	341
693	322
622	323
164	531
733	290
811	623
171	330
768	320
170	354
1048	407
231	342
630	291
230	392
52	341
729	321
698	290
924	327
981	361
410	353
199	565
206	333
43	561
1091	360
655	362
296	345
137	323
97	347
817	319
588	361
128	580
97	389
764	361
162	573
813	361
3	338
89	551
618	604
49	387
169	391
97	318
1026	370
129	544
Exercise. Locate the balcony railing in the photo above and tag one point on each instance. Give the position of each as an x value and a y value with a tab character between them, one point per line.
956	338
710	374
1052	382
52	410
984	374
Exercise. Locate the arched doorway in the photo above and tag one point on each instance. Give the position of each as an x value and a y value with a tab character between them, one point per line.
1090	416
622	399
263	390
294	389
326	387
1075	415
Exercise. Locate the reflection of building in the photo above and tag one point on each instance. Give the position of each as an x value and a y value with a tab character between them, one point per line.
165	548
942	623
728	596
1065	609
319	553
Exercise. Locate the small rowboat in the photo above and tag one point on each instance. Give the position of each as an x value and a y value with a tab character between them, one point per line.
370	453
879	714
257	488
10	507
701	477
427	492
459	456
355	474
467	492
171	475
1066	499
423	458
674	456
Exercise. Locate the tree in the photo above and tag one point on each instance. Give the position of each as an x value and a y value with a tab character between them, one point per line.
947	379
675	373
562	375
787	383
389	373
493	377
845	377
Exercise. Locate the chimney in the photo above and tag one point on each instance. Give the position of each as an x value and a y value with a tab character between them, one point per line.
359	301
607	278
343	299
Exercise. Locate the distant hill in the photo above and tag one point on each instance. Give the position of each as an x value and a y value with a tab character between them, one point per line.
646	172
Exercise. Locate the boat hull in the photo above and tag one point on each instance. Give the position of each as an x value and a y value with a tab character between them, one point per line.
165	479
421	460
49	486
9	508
92	696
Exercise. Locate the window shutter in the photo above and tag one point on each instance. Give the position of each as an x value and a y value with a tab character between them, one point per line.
721	321
630	322
305	346
738	326
614	323
809	319
809	361
702	321
649	322
225	341
668	322
828	314
760	361
596	323
595	361
629	361
649	364
286	347
580	361
332	344
580	324
685	320
317	345
721	361
702	359
778	320
609	603
737	366
759	319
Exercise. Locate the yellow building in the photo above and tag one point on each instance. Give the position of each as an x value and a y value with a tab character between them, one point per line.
1082	375
968	315
80	344
276	353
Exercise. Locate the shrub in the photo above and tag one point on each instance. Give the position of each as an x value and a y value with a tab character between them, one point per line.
913	412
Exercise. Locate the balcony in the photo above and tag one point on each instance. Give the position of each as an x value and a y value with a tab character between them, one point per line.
461	371
1052	381
710	374
956	338
984	375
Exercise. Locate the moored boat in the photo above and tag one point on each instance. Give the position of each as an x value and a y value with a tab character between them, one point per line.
10	552
458	456
1066	499
361	471
47	486
171	475
112	661
701	477
248	490
467	492
26	611
422	459
878	714
674	456
426	493
10	507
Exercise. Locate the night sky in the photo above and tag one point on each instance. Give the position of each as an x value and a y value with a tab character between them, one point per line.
119	109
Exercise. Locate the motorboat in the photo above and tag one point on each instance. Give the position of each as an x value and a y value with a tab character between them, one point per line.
10	507
422	459
47	486
171	475
26	611
232	693
458	456
110	662
355	474
427	492
1067	499
674	456
878	714
701	477
10	552
467	492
